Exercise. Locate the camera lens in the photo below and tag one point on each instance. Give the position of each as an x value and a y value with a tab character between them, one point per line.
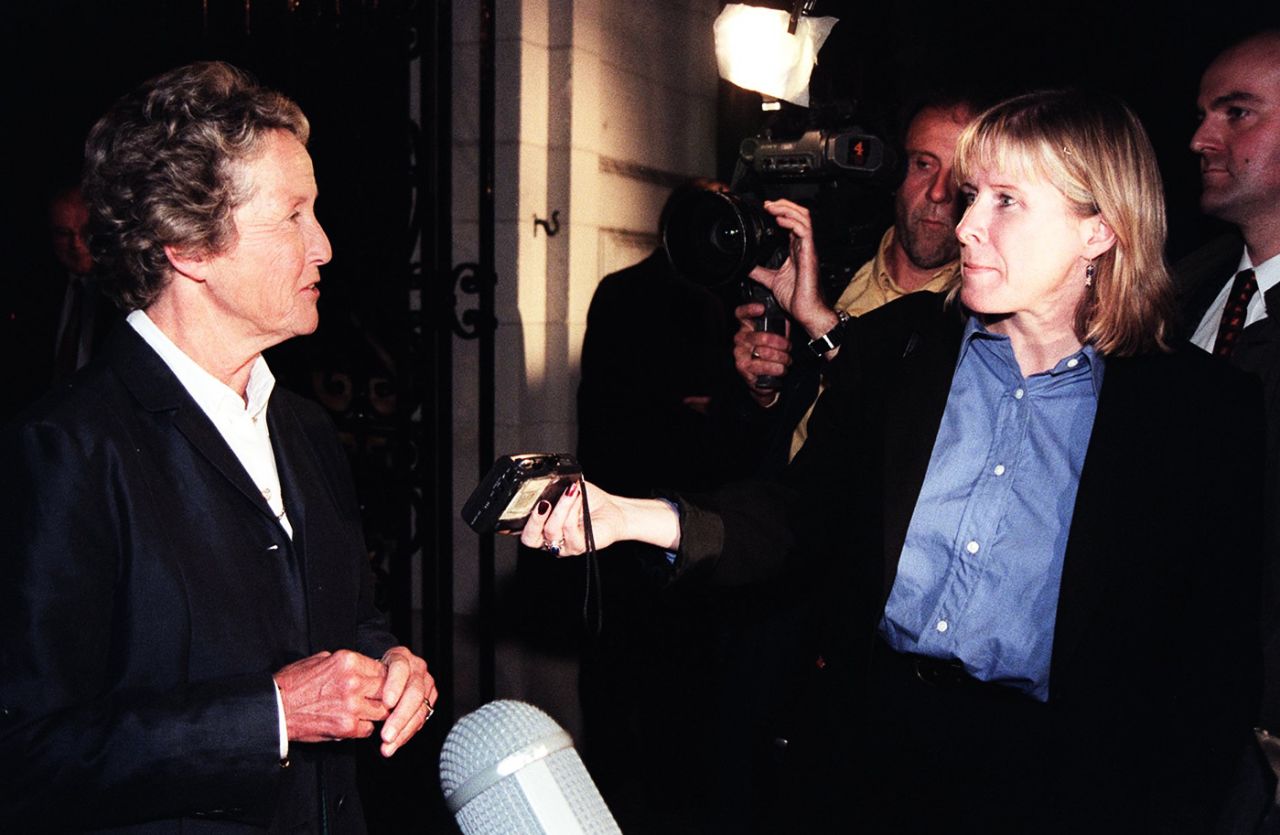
727	237
715	237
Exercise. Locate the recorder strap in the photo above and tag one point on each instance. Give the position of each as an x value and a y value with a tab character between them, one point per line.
594	626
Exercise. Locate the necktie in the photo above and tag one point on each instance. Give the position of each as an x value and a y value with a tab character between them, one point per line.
68	355
1233	315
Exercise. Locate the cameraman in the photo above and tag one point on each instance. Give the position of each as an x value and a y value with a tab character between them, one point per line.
919	252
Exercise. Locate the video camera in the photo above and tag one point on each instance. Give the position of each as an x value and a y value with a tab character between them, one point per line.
712	238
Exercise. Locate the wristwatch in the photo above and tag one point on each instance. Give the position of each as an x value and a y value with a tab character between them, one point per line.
831	340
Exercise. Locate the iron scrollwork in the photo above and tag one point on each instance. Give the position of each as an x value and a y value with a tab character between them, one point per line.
476	322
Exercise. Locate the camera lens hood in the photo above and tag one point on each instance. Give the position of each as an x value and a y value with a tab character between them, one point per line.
715	237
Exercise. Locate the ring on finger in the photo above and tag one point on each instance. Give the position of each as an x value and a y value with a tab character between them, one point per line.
430	710
553	548
755	355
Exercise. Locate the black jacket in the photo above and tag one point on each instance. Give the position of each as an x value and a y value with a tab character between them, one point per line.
148	593
1154	673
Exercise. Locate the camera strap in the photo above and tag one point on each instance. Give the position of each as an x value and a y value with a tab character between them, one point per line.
594	626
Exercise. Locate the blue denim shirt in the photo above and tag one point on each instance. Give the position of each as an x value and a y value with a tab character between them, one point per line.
980	568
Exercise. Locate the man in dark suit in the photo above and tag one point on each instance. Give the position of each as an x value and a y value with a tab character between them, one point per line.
55	315
1231	293
187	633
1238	142
81	315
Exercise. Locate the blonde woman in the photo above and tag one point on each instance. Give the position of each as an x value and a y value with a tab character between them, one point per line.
1030	519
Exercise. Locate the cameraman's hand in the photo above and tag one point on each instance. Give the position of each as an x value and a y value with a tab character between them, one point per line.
758	353
559	529
795	283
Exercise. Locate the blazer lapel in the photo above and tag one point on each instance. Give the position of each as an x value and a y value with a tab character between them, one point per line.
916	396
296	466
1109	465
1256	350
1200	276
323	545
158	391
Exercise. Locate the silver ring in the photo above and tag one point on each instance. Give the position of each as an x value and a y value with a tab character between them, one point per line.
553	548
755	355
430	710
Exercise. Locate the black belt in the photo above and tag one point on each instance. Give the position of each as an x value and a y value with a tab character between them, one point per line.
938	672
942	673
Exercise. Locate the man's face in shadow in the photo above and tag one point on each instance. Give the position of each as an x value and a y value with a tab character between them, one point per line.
68	224
925	206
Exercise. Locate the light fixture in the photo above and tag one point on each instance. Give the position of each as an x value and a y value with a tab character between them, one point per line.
770	51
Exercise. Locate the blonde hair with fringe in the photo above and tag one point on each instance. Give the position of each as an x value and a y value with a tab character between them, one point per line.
1093	149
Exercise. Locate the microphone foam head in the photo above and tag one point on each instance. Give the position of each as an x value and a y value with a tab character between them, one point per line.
481	756
487	735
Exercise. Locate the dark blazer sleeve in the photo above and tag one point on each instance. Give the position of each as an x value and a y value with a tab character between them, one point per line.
75	745
828	499
756	531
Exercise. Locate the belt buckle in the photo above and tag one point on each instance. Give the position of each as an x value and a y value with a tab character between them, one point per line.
926	672
937	673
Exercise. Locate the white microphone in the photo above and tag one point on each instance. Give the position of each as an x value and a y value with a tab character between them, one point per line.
509	769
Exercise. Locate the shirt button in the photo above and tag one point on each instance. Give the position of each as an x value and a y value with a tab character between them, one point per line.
942	626
972	547
1017	394
1073	362
999	469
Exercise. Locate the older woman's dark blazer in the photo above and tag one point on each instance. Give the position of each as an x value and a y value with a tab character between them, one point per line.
1155	666
147	594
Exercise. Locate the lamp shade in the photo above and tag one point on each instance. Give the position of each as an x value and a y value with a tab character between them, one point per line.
755	51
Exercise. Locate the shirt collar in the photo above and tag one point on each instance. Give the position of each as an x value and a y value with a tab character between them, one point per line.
974	330
1267	274
214	397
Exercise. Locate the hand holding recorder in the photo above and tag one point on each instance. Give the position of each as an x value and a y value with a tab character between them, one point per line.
560	528
542	497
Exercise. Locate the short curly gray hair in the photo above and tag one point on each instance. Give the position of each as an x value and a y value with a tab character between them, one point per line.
160	171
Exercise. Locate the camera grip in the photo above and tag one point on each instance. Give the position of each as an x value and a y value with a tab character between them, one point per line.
774	320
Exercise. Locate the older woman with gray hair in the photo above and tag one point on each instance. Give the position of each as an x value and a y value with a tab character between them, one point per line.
1031	520
187	628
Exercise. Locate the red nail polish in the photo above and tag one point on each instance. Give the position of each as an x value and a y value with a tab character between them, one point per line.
573	489
544	507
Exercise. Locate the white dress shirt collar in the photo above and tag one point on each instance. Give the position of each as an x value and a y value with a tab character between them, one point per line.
211	394
1267	274
242	425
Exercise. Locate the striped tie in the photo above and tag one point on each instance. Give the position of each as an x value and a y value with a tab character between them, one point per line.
1233	315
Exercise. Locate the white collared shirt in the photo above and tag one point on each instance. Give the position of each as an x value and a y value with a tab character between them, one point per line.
242	425
1267	274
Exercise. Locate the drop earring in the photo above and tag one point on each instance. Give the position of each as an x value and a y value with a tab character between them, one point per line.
1089	272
